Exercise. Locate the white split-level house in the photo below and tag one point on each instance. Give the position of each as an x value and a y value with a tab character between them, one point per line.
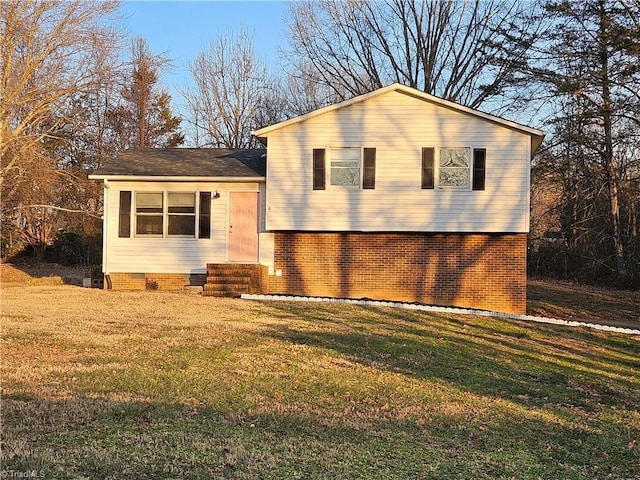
394	195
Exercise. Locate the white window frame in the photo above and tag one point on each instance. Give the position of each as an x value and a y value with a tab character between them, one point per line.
330	153
165	214
144	214
438	169
196	197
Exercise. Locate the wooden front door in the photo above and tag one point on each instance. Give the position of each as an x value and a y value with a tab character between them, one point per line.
243	226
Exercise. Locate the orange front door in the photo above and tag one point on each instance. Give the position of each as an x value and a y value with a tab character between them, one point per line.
243	226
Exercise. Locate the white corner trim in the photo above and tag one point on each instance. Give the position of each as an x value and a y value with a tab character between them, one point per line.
432	308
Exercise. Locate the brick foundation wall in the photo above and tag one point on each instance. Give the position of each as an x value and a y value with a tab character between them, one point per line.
484	271
165	281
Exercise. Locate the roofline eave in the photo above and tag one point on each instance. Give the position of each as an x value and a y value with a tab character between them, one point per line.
170	178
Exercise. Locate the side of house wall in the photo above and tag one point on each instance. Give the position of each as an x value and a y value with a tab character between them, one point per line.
398	126
484	271
146	253
172	262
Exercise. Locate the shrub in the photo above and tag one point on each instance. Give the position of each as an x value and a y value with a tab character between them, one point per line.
71	248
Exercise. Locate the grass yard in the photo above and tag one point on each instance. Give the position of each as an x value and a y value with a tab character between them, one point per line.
584	303
150	385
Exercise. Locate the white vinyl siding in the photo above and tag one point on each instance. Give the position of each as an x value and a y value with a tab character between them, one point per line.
174	254
398	126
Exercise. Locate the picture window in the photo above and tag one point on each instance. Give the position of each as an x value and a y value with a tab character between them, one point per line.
454	168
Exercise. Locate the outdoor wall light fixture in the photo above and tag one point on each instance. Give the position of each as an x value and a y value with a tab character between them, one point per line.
215	194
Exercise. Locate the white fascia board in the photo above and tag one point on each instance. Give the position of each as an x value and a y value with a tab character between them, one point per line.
470	111
263	132
152	178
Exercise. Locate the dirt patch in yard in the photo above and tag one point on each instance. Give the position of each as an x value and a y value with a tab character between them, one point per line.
33	273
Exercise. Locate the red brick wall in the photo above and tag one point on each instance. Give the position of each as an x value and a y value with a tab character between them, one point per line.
165	281
476	271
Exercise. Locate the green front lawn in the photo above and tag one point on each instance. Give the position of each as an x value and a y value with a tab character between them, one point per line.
100	384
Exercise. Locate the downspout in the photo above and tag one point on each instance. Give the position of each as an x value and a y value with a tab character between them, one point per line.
105	235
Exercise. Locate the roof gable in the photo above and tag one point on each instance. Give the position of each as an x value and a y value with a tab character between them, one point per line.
536	135
185	163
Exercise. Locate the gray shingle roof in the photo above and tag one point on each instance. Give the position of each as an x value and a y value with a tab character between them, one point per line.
187	162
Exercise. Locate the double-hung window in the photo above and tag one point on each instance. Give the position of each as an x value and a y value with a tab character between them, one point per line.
181	214
149	213
345	167
454	168
349	167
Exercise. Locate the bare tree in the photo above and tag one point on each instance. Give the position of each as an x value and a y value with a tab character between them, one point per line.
51	52
231	85
301	93
467	52
48	54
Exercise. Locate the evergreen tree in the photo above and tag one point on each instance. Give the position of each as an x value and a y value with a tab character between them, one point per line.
591	69
144	118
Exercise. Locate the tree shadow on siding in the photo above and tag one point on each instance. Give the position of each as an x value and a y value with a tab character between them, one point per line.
353	126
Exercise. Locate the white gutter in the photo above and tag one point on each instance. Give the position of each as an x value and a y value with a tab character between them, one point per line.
156	178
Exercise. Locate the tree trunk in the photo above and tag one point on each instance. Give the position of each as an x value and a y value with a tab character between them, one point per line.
607	121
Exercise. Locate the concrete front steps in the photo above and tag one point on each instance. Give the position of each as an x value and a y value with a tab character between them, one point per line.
231	280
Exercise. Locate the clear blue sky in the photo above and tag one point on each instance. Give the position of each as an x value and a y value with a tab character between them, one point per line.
181	29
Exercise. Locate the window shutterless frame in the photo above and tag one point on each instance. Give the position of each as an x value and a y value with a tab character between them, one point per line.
345	167
181	214
454	168
149	214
